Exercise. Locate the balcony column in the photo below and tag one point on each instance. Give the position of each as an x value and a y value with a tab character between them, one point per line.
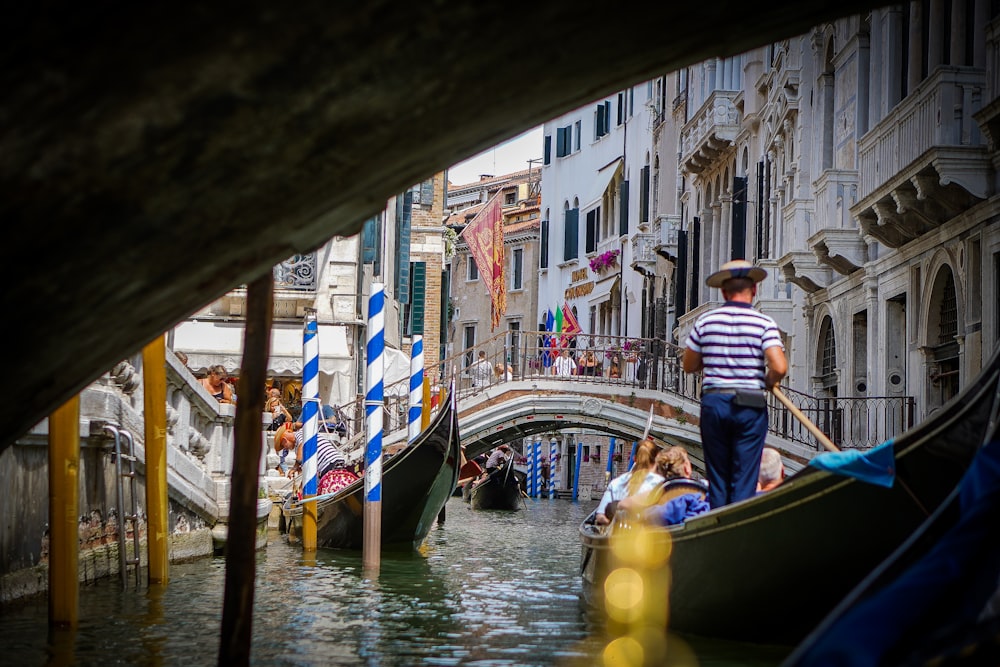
935	38
892	84
982	18
913	70
958	18
726	224
710	69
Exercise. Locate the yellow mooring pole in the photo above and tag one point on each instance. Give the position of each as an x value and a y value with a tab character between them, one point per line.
64	506
425	405
157	508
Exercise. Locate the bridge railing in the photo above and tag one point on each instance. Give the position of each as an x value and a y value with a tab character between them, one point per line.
641	363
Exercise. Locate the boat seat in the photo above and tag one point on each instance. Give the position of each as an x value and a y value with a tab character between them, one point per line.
674	488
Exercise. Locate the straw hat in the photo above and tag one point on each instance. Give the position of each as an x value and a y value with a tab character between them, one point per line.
738	268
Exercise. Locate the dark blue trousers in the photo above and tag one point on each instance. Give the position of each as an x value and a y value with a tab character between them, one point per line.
733	439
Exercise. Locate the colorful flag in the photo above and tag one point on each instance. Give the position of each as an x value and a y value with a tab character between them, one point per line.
570	326
547	339
484	236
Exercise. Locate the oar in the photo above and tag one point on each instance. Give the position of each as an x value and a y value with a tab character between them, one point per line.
823	440
649	423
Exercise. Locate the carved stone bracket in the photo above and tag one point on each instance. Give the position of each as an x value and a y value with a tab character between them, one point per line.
802	270
843	250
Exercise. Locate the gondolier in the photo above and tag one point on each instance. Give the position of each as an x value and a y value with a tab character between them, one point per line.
740	354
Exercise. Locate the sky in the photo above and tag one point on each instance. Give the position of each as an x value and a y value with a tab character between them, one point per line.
510	156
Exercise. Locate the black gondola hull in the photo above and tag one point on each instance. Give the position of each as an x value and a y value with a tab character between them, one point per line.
416	484
501	490
770	568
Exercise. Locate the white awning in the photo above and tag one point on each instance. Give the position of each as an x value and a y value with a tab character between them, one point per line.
208	343
602	291
600	184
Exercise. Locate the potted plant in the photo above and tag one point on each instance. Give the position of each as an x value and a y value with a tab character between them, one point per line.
604	261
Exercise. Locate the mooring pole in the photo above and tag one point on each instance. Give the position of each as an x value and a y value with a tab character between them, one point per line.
64	505
415	424
374	396
310	426
154	400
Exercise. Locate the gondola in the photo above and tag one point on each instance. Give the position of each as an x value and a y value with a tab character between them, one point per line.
502	489
769	568
416	484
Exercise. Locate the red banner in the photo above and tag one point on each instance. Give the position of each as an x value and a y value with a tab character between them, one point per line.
484	236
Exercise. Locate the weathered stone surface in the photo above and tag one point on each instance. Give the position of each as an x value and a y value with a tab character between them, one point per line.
154	157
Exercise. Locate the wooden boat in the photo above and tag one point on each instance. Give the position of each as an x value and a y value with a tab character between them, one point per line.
500	490
768	569
416	484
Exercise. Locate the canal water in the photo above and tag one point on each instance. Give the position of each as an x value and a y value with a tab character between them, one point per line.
487	588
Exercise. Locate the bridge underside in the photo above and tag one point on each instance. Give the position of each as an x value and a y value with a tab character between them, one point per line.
160	158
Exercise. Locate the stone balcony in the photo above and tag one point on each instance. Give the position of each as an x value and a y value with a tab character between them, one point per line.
803	270
665	233
711	131
644	253
926	161
295	287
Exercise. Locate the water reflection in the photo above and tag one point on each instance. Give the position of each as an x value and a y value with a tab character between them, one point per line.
488	588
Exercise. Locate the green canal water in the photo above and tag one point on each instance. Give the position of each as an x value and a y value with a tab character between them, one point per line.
487	589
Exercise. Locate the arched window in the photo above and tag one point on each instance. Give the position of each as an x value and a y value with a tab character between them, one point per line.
827	379
942	329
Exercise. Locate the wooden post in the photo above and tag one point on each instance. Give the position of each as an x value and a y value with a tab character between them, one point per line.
241	537
425	408
157	508
64	514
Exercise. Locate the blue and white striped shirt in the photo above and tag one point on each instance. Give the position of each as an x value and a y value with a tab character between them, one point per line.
731	341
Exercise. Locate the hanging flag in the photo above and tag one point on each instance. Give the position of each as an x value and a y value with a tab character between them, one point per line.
484	236
546	339
570	326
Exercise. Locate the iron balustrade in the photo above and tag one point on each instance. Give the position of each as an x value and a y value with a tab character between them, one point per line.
850	422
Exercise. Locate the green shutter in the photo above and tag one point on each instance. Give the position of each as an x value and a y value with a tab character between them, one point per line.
623	211
404	209
571	247
419	292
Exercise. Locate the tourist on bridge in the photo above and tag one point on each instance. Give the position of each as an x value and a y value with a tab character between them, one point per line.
481	371
565	366
740	354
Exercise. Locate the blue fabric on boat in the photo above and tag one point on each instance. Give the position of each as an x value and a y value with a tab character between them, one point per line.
676	510
875	466
943	595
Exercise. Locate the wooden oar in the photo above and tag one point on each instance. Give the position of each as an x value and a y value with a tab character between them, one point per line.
823	440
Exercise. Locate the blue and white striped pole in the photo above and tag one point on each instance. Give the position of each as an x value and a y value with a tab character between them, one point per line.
532	470
537	491
553	457
611	458
576	473
416	387
310	426
374	397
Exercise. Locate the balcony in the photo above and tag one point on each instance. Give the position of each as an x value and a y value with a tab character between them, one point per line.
644	253
925	162
711	131
295	286
803	270
665	229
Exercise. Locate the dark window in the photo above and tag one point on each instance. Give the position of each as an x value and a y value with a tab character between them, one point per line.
602	124
547	150
469	339
371	240
543	249
621	108
593	220
517	279
473	273
564	141
577	129
571	246
948	322
739	218
623	209
644	194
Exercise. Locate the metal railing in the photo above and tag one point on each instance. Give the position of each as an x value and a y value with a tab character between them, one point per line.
643	363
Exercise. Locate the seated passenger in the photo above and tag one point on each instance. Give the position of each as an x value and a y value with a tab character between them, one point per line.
642	478
772	470
673	463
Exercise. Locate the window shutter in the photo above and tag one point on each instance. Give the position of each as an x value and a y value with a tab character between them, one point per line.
404	210
695	262
572	240
370	242
739	235
418	294
682	269
592	230
427	193
518	270
623	209
548	149
599	125
543	249
644	195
